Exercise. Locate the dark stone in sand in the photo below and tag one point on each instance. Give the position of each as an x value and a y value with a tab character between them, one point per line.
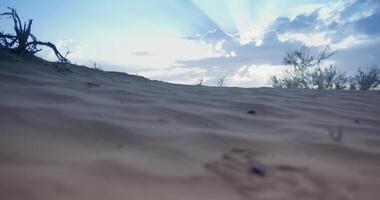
257	170
251	112
91	85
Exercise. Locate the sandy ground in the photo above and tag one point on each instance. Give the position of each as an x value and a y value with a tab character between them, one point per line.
91	135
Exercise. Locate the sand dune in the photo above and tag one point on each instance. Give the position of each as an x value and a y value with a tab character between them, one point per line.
89	134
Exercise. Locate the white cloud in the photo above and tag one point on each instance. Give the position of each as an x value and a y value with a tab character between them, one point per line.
347	43
306	9
309	39
171	71
163	52
177	74
244	76
252	33
254	75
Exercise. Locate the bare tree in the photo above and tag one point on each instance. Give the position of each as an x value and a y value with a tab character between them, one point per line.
23	42
221	81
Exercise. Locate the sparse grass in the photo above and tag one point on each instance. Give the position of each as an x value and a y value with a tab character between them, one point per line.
200	81
220	82
97	67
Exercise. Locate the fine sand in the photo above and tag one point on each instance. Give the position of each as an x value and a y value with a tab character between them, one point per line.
85	134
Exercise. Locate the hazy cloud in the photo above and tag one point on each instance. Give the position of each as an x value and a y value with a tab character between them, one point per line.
141	53
247	58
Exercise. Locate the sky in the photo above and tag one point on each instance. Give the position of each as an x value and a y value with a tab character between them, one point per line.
181	41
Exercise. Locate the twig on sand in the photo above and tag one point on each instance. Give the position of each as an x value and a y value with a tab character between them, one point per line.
336	136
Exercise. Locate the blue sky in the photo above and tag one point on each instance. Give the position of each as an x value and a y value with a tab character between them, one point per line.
181	41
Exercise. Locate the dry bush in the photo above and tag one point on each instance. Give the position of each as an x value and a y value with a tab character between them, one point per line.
307	71
328	78
366	80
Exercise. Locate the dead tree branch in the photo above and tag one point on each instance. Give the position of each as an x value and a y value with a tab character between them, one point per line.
24	42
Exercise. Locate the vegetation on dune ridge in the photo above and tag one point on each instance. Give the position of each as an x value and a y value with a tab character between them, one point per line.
308	71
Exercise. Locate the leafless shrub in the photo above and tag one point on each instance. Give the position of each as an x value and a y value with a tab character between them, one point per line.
328	78
341	81
276	82
366	80
221	81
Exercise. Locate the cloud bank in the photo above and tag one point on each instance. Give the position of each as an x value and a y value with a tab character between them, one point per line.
247	58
